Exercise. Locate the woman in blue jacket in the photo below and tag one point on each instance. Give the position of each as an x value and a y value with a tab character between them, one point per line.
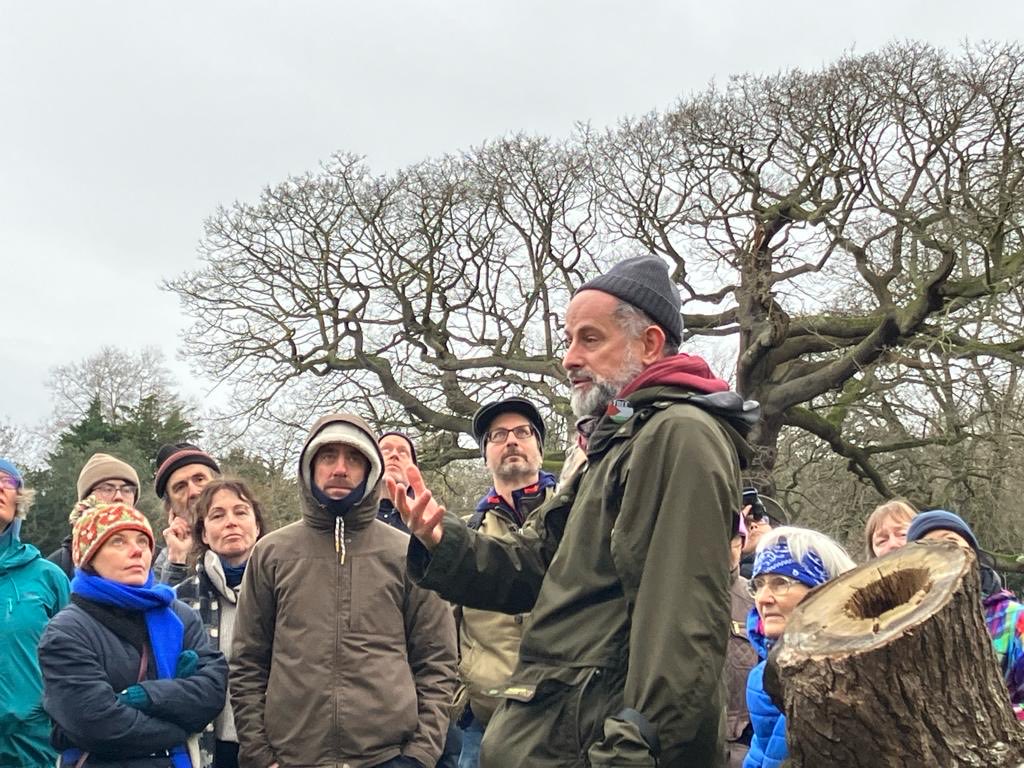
789	563
32	590
128	673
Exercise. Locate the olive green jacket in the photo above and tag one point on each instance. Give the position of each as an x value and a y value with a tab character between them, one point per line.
626	571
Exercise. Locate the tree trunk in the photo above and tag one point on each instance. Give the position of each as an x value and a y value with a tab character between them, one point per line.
891	665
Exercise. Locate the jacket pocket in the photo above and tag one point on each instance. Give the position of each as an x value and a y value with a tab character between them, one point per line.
572	702
377	599
600	697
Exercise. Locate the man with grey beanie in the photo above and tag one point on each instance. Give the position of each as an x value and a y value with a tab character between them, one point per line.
626	567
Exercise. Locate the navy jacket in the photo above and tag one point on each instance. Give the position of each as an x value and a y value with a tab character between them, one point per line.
85	665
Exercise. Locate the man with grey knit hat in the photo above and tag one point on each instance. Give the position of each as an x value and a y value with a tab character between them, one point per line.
109	480
626	568
338	657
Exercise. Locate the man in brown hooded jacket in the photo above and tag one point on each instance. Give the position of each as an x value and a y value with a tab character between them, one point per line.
338	658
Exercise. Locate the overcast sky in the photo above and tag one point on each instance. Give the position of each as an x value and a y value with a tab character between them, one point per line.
124	124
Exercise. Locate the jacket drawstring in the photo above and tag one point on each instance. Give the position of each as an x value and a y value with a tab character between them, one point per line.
339	538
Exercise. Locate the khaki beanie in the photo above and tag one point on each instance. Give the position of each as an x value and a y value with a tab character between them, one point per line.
100	467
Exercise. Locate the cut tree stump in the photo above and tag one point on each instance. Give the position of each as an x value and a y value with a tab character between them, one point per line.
891	665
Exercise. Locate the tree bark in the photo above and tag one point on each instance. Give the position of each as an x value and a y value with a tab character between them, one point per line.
891	665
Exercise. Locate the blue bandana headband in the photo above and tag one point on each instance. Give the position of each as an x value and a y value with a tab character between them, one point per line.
777	559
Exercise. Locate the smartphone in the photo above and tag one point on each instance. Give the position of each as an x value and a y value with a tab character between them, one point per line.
752	500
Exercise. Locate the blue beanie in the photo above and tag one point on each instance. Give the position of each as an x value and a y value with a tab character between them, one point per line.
9	468
941	520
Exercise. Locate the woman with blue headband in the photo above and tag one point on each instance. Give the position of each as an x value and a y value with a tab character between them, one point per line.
790	562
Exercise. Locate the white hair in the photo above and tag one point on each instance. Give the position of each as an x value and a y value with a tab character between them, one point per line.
803	541
23	501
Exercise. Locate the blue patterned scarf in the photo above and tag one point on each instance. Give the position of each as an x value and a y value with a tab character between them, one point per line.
165	629
777	559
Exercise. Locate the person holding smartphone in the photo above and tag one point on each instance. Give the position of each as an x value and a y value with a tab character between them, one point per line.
760	514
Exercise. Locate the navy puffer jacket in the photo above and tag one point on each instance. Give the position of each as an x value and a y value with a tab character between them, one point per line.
85	665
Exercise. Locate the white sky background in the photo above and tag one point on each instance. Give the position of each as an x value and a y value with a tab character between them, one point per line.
124	124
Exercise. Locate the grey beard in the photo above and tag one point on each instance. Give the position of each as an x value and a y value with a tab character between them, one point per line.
594	402
515	473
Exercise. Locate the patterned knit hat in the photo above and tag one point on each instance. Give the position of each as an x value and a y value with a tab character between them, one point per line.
97	523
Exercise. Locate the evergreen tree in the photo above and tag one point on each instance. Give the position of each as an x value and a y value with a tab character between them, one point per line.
134	438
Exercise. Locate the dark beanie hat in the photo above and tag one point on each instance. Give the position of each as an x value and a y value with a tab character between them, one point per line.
941	520
173	456
412	448
486	414
643	281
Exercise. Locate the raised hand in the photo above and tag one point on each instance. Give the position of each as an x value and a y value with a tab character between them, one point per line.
178	537
421	513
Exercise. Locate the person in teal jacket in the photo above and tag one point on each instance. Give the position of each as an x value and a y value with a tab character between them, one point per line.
32	590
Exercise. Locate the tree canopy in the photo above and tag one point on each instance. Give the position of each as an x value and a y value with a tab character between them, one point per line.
853	236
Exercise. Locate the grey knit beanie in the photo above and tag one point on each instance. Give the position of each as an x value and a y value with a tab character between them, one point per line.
643	281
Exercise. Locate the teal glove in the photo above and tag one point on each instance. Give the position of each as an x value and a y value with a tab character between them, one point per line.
135	696
188	661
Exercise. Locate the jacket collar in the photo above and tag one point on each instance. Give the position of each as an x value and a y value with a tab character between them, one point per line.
214	571
317	516
524	500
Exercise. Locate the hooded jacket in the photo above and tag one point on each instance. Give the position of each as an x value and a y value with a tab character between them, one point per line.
32	591
338	658
626	570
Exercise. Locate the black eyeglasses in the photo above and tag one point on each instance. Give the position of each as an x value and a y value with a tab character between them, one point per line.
501	435
110	490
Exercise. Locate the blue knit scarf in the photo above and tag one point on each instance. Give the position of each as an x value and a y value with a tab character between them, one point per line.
165	629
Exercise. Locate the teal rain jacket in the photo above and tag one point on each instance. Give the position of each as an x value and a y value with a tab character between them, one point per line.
32	590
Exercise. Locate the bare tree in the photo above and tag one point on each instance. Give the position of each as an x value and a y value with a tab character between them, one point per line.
117	379
412	298
850	231
840	225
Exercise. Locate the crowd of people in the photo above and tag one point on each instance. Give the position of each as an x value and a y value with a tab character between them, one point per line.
620	614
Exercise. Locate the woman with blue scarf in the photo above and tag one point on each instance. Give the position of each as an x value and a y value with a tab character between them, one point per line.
128	673
789	563
228	523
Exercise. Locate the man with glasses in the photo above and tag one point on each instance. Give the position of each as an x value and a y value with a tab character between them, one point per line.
510	434
109	480
183	470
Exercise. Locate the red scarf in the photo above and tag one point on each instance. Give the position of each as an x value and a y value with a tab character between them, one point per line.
682	370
